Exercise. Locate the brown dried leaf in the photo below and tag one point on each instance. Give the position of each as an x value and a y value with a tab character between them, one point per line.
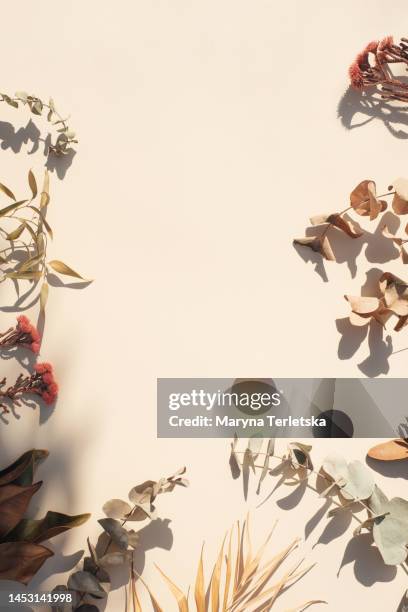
400	200
392	450
364	200
344	225
20	561
14	501
395	293
363	305
319	244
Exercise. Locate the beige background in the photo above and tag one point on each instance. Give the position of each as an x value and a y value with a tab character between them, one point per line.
208	135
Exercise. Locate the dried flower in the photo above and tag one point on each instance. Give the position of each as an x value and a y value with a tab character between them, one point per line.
42	383
372	68
24	334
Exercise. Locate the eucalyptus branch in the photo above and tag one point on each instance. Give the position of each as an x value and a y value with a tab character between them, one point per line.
352	483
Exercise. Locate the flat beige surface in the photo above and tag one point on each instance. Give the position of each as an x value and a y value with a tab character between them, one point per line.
208	135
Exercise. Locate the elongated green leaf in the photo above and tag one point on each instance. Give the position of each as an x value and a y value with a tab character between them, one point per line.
46	528
21	472
20	561
33	183
62	268
14	501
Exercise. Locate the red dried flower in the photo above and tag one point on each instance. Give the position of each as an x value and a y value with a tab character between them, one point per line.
24	334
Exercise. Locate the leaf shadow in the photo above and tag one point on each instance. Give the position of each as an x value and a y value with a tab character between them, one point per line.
369	567
352	337
372	107
335	528
390	469
315	258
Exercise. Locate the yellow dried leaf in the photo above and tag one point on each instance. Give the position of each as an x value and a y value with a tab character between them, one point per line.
62	268
7	191
33	183
44	296
178	594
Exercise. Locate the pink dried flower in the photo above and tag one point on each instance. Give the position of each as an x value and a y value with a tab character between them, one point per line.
23	334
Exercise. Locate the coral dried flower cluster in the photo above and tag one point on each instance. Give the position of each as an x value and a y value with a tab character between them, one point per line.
24	334
41	383
372	68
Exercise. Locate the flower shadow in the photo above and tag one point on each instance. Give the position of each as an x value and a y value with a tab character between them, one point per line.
370	105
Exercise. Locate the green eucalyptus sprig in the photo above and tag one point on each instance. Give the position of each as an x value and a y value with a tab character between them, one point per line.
349	486
25	229
66	137
118	544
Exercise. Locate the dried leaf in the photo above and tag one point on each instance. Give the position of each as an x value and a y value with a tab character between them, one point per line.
15	234
336	220
33	183
7	191
118	533
45	194
84	582
14	500
363	305
24	275
364	200
46	528
318	244
400	200
62	268
199	591
43	296
21	472
116	509
20	561
178	594
392	450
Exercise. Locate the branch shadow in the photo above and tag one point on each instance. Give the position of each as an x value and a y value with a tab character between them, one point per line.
372	107
13	139
157	534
